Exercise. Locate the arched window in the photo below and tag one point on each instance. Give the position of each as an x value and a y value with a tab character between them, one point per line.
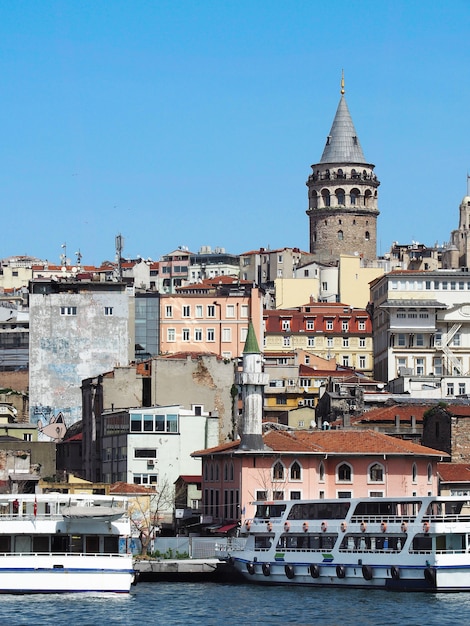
295	471
367	197
340	197
206	471
216	471
230	472
211	471
354	174
325	194
414	473
321	472
367	235
429	473
314	201
354	196
344	473
340	235
225	470
340	174
376	473
278	471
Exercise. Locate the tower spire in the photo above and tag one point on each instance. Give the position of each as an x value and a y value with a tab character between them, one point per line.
342	82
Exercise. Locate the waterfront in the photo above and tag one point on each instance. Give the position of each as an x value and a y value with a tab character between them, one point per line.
211	604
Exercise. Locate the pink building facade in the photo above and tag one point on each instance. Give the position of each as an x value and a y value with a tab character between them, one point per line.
312	465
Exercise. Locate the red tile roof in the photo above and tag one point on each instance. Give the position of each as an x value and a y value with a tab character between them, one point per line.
333	442
123	488
388	413
454	472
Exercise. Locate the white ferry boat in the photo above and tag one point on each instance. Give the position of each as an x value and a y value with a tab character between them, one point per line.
409	544
55	543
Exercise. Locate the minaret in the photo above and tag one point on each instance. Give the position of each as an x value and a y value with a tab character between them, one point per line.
342	195
252	380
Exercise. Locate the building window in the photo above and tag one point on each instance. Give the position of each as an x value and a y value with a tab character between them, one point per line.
401	339
210	334
344	473
262	495
186	310
310	325
414	473
295	495
211	310
243	334
198	310
437	366
281	400
362	342
278	471
420	340
146	479
295	471
361	325
27	437
185	334
420	367
329	342
108	310
461	389
285	324
68	310
198	334
168	310
345	326
429	473
286	342
456	339
329	324
244	311
226	335
145	453
345	360
171	334
321	472
278	495
362	362
345	342
230	310
450	389
311	342
376	473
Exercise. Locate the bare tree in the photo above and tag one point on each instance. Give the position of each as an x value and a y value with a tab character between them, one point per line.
146	513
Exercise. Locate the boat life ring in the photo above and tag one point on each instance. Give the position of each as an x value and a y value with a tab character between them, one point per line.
430	576
305	527
250	568
340	571
383	527
395	571
248	524
289	570
426	527
343	527
324	527
367	572
266	569
363	527
314	571
404	527
269	526
286	527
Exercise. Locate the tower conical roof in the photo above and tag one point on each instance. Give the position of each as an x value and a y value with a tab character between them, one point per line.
342	144
251	343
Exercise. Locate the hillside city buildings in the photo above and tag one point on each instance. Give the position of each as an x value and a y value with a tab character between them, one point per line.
234	375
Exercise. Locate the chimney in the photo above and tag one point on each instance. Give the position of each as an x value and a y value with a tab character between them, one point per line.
413	422
397	422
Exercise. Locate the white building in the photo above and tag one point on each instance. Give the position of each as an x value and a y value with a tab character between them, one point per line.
421	326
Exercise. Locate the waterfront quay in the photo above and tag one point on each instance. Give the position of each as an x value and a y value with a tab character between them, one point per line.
185	570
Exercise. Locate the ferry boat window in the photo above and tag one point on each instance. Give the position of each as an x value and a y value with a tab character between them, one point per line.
59	543
76	543
262	543
5	543
111	545
266	511
41	543
422	543
92	544
319	510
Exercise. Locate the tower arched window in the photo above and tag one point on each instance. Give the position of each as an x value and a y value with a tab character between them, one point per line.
340	197
354	196
278	471
326	197
367	197
314	201
340	174
354	174
295	471
340	235
367	235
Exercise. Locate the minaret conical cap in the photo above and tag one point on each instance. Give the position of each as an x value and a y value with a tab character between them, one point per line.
251	343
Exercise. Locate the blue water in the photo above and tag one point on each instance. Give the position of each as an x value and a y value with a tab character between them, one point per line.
214	604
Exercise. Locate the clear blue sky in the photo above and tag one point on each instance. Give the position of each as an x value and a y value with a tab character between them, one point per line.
196	122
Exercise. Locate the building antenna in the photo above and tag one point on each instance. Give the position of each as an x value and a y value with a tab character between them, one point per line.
342	82
468	187
119	242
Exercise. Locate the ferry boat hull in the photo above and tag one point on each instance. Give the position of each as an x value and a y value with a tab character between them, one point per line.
407	544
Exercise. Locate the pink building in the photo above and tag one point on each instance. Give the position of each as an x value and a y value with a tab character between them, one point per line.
313	464
211	319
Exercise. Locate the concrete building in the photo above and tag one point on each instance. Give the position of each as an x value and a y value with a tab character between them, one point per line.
174	270
264	266
421	326
78	328
446	427
208	263
342	195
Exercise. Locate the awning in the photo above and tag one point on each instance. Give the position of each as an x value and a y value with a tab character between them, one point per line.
227	528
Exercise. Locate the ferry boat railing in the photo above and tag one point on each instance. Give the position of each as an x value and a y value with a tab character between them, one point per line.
378	519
